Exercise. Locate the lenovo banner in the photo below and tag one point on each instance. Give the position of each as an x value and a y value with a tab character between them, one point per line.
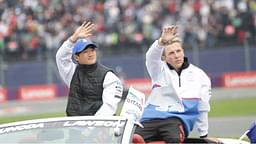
143	85
36	92
239	79
3	94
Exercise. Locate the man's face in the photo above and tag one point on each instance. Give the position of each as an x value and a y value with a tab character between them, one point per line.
87	56
174	55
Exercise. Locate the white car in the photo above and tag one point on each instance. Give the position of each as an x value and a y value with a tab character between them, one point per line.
83	129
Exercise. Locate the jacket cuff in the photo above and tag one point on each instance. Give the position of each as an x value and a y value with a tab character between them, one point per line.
204	136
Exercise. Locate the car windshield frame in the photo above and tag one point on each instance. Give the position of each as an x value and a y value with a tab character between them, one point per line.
79	129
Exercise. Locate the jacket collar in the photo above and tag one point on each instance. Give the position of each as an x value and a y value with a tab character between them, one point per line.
88	68
183	66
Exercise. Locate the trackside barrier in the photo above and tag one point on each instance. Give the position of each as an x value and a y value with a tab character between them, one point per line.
3	94
37	92
239	79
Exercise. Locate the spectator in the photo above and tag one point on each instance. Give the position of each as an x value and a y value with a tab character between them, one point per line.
127	24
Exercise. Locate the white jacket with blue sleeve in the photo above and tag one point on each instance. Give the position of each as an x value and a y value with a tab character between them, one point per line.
185	96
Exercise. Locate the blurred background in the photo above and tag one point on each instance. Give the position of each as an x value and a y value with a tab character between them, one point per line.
218	36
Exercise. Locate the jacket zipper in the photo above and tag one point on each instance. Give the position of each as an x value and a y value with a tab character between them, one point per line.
179	82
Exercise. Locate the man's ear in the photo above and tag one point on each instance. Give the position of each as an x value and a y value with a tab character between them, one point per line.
163	58
76	57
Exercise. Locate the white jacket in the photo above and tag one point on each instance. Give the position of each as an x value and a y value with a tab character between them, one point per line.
186	96
112	86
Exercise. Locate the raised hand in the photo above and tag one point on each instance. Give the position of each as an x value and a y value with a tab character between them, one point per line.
168	35
84	31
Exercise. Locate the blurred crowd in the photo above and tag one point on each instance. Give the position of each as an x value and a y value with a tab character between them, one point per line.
36	28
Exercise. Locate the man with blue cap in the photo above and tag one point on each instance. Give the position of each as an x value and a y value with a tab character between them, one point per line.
93	88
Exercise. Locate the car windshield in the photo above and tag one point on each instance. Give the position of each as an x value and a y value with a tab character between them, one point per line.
65	131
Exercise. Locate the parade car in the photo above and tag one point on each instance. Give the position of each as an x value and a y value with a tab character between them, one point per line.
90	129
83	129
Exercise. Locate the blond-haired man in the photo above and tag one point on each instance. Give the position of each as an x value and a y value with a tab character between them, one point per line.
180	93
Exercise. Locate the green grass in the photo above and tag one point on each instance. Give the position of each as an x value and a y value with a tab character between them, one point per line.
233	107
29	117
219	108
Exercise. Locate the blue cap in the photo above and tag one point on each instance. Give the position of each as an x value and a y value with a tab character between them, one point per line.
82	44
